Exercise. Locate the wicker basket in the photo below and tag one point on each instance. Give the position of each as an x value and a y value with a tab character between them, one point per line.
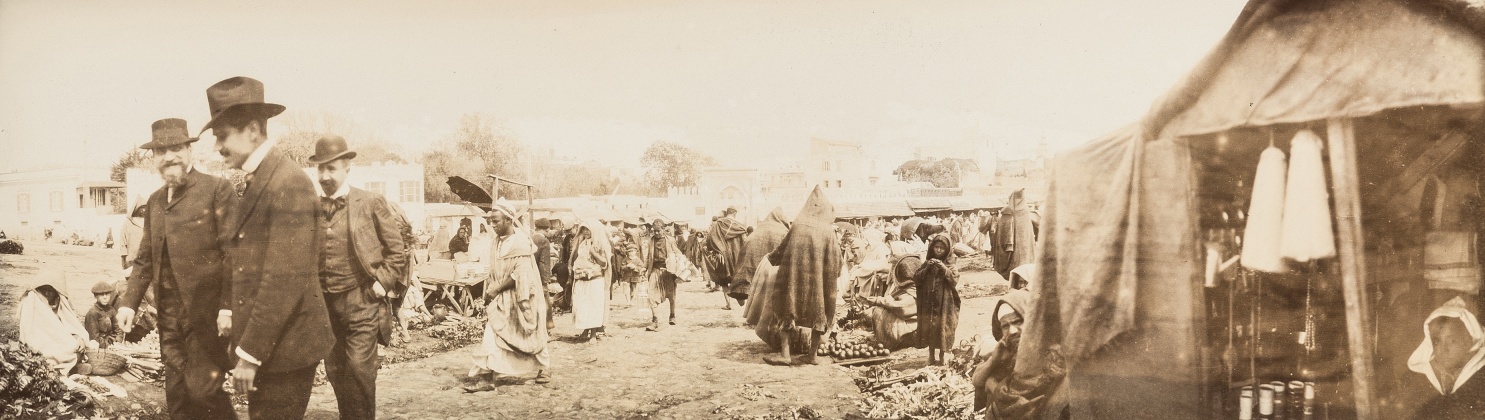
106	363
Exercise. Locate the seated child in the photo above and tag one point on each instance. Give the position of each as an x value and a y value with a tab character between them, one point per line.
99	321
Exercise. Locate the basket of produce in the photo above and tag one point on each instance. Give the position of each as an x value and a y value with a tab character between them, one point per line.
105	363
855	351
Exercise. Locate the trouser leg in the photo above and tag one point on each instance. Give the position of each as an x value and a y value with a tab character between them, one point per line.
281	395
355	319
194	360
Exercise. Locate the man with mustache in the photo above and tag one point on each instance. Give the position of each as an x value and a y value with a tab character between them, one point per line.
180	258
280	328
361	260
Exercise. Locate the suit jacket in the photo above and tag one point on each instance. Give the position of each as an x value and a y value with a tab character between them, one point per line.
278	311
376	238
187	229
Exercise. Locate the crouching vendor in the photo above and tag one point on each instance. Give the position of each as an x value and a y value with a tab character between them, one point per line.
50	327
894	315
999	390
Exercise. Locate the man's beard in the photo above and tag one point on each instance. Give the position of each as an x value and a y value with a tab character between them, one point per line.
173	178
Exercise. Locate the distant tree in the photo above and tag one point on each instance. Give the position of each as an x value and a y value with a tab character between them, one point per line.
119	171
942	173
670	164
477	148
303	129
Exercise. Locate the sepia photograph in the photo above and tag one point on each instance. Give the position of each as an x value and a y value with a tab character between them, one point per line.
742	209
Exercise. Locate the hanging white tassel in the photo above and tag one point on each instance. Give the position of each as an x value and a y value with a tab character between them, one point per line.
1262	236
1307	234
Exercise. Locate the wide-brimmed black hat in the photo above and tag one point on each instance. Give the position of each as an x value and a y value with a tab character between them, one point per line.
331	147
167	133
238	97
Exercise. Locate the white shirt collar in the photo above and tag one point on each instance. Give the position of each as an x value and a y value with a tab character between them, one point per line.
344	190
256	158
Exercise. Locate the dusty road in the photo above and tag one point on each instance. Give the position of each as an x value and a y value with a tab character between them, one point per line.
707	366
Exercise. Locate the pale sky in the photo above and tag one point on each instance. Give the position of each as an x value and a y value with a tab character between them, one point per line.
745	81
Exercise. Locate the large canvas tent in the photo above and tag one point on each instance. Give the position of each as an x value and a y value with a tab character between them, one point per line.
1392	86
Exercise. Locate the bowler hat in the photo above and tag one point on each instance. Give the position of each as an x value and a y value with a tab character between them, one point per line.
240	97
167	133
331	147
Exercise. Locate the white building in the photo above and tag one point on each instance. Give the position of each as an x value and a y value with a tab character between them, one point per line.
65	200
399	183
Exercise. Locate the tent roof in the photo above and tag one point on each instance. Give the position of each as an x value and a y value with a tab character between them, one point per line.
924	204
1291	62
880	208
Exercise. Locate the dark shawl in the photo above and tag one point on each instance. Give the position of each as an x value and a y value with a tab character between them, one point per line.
726	238
769	234
809	262
938	299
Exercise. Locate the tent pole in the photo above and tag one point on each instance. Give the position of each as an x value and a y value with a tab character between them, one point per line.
1341	135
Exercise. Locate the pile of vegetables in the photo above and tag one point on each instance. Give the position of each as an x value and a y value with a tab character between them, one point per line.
854	317
854	348
459	330
932	392
143	359
31	389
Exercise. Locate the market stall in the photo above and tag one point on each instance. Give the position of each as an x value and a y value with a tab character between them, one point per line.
1173	286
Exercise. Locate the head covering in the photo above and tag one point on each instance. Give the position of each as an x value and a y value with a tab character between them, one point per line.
103	286
504	207
238	97
1015	300
1025	274
52	333
909	228
1421	358
599	232
331	147
168	132
948	248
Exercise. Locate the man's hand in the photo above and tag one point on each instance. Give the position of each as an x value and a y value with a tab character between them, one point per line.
125	319
242	377
224	324
376	287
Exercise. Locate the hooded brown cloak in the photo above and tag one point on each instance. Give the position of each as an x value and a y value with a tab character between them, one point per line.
726	238
769	234
1015	236
809	262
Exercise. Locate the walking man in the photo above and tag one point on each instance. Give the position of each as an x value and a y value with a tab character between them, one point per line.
361	260
280	328
515	337
662	282
180	259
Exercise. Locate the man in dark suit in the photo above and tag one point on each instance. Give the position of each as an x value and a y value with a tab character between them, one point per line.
280	329
180	258
361	260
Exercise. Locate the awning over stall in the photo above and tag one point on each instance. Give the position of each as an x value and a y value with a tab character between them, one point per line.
1291	62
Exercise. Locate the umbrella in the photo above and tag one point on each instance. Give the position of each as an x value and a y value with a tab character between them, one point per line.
468	191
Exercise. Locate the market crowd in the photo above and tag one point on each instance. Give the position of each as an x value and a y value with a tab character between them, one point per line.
254	284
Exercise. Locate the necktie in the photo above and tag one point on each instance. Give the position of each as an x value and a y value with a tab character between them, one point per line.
329	205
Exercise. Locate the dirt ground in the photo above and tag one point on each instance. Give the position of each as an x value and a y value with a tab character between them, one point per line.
707	366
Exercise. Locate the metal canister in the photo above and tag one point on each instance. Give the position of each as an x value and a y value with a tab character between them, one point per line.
1245	403
1296	399
1279	399
1309	404
1265	402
